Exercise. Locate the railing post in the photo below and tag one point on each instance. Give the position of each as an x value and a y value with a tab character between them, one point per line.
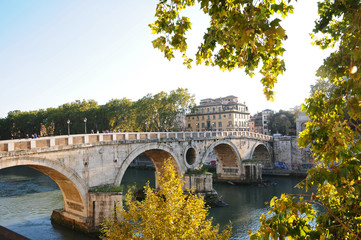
114	137
126	137
32	144
51	143
70	140
100	137
10	146
158	136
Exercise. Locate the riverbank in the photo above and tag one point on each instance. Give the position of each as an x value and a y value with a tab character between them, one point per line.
284	173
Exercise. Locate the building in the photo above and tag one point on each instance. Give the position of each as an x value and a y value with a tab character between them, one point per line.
255	124
260	121
266	114
220	114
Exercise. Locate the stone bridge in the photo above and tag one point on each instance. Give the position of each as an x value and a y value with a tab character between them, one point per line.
80	163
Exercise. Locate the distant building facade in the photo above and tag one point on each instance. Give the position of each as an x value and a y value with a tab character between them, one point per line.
220	114
260	122
266	114
255	124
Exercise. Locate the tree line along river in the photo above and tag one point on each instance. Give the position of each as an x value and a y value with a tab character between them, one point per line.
28	197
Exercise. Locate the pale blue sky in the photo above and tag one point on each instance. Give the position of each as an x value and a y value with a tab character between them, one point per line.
54	52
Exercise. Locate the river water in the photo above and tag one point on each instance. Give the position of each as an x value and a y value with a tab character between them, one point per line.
27	198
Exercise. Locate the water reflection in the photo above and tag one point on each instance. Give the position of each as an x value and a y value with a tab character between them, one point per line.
247	202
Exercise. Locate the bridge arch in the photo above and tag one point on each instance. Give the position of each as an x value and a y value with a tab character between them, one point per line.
226	152
73	189
261	153
158	153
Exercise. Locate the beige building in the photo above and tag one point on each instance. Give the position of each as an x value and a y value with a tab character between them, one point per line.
220	114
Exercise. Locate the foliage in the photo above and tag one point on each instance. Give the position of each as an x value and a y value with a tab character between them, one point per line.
333	133
241	34
202	170
323	85
166	214
283	122
151	113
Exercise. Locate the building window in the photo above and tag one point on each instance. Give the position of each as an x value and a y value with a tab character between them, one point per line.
202	117
214	116
220	116
202	124
219	124
197	125
219	109
189	125
208	117
202	110
214	125
207	110
229	115
214	109
197	117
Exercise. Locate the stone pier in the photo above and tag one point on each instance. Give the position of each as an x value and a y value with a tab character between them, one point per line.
102	205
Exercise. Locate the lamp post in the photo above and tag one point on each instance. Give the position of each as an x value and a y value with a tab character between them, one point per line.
85	125
68	122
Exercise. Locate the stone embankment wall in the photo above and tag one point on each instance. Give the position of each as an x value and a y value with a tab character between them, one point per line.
287	154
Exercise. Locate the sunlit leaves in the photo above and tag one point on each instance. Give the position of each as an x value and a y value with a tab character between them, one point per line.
164	214
241	34
333	134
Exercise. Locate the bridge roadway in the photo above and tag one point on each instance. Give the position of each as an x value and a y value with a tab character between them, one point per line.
80	163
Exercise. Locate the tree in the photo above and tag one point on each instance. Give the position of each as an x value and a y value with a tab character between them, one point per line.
333	137
323	85
161	111
282	122
164	214
241	34
121	115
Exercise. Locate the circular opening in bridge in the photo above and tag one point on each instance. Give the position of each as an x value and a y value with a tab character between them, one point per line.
191	156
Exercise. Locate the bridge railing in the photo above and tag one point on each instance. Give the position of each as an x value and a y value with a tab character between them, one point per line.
46	142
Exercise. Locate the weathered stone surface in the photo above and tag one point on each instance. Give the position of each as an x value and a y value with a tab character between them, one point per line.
287	154
78	163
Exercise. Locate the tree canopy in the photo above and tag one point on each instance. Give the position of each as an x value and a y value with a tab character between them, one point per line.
165	214
158	112
247	34
283	122
241	34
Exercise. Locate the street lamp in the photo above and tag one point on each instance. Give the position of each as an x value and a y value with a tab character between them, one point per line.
68	122
85	125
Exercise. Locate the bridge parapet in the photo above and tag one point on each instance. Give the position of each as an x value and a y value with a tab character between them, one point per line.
68	140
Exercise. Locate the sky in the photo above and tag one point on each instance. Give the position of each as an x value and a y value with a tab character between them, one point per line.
56	52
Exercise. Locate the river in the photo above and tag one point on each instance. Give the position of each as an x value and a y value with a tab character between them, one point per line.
27	198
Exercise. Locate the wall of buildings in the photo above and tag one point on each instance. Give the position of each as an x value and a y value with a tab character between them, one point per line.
287	154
